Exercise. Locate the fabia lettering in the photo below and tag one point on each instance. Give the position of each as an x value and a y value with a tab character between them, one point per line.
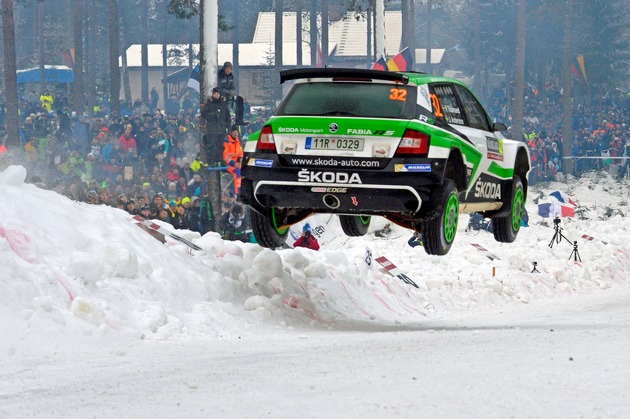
328	177
359	131
487	190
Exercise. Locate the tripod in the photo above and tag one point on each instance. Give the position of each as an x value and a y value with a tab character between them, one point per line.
575	253
558	236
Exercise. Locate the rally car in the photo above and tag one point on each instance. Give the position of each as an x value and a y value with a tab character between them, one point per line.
413	148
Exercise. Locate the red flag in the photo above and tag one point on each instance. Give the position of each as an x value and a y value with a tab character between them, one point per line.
68	56
577	74
379	64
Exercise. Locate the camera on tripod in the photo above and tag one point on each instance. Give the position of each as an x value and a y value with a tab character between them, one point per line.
558	237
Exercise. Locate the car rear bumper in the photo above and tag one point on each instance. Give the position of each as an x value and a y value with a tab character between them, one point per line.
401	186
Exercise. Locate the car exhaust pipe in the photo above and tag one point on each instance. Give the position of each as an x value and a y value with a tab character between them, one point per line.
331	201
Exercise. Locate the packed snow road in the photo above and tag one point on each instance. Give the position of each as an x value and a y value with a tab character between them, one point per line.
561	360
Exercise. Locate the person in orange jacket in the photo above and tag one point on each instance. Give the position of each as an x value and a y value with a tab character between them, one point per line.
232	156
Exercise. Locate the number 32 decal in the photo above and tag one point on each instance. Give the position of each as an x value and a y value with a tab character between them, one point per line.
397	94
437	109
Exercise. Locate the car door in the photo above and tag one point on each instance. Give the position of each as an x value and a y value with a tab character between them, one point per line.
449	110
484	185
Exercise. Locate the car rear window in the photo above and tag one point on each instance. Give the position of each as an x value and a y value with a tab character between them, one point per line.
372	100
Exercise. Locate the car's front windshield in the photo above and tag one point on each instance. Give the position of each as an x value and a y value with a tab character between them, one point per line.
373	100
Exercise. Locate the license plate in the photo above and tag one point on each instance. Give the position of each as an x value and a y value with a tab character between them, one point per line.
320	143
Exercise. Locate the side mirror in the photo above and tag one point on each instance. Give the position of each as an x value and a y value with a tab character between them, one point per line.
499	126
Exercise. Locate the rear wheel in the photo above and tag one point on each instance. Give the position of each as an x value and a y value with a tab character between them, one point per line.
266	230
355	225
438	232
505	229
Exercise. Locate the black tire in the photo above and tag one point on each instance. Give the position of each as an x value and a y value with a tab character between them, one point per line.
355	225
438	232
506	228
266	232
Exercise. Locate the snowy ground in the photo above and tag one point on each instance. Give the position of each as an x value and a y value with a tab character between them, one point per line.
99	319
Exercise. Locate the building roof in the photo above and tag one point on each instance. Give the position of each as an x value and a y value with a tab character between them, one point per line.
348	35
250	55
347	42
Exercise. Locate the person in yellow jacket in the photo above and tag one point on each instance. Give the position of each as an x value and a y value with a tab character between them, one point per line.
232	156
46	101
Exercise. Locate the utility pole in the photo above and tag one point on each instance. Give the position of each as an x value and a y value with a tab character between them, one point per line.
10	75
517	112
409	30
379	29
209	70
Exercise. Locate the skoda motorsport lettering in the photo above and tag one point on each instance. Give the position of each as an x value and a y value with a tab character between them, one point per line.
413	148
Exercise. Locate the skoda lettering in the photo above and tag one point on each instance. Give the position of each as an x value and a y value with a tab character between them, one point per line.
328	177
487	190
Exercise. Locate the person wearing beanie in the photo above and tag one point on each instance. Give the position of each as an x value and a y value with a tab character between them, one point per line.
226	83
234	224
198	218
217	116
227	87
307	239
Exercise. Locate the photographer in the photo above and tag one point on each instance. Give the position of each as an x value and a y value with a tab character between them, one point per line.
234	225
306	239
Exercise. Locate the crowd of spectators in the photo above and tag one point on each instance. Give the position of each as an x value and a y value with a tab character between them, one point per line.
140	160
601	127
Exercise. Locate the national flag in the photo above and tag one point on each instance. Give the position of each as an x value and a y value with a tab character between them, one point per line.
68	56
194	80
401	61
555	210
579	70
563	198
580	60
379	64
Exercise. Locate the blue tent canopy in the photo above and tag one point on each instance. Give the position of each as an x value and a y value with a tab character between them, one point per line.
54	74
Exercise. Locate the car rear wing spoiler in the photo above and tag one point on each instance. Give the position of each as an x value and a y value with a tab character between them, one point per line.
347	73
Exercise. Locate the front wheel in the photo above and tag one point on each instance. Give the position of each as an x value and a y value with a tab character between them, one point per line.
266	230
355	225
438	232
505	229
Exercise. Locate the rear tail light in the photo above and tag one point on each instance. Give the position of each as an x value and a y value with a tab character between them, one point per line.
413	142
265	140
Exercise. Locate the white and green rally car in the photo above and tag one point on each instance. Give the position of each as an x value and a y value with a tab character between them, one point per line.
410	147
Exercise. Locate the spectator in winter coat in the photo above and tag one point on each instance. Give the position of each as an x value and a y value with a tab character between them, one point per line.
173	174
234	224
306	239
126	140
217	116
198	216
232	156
